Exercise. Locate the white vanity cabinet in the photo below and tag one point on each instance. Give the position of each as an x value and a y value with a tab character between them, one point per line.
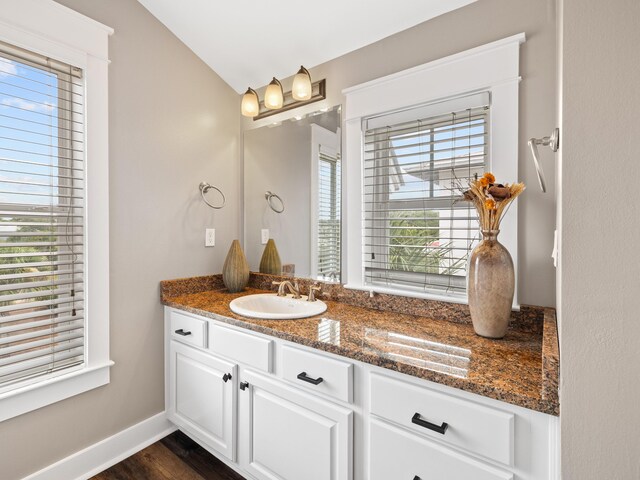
275	410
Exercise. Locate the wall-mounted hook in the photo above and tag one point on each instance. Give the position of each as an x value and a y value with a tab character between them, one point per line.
552	141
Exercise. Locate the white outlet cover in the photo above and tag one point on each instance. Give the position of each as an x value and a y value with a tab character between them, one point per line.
210	237
264	235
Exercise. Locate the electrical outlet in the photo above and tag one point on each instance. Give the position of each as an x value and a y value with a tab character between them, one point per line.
265	235
210	237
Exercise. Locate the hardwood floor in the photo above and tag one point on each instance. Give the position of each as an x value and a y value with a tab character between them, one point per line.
175	457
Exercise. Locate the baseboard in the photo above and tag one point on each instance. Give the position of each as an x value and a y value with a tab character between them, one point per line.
100	456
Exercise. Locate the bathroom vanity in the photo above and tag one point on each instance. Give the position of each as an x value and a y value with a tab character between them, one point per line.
360	393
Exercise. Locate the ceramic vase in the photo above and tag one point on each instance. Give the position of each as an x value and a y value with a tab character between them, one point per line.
490	287
235	272
270	261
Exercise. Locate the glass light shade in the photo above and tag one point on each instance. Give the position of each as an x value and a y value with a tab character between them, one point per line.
274	96
301	89
250	104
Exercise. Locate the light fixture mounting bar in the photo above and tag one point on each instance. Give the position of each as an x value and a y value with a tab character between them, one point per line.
318	92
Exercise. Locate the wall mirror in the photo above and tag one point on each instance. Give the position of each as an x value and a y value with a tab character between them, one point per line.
292	188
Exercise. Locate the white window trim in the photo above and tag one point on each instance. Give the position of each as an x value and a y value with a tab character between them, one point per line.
48	28
493	67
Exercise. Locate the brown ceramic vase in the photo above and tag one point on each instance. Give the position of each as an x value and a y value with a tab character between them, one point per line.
235	272
270	261
491	285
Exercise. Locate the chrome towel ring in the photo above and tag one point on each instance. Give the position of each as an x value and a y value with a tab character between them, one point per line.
205	187
269	197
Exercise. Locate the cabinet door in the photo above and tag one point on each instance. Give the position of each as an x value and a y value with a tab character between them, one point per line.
291	435
201	402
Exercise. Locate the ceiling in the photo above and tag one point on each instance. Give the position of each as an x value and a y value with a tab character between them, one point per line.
248	42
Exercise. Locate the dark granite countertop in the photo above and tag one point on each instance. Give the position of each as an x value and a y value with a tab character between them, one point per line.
521	369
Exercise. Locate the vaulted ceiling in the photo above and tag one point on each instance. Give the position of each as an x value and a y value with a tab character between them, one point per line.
248	42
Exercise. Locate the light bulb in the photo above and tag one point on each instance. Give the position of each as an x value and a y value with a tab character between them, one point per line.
301	89
274	96
250	104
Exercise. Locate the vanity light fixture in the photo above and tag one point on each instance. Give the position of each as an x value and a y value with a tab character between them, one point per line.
250	103
303	92
274	96
301	89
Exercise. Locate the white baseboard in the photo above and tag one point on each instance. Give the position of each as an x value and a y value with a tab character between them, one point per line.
100	456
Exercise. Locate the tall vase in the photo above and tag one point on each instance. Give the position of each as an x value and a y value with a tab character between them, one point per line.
491	285
270	261
235	272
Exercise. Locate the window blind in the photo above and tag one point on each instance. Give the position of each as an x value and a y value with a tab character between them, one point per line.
329	215
41	217
417	234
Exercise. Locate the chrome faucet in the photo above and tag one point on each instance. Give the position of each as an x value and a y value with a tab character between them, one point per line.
294	288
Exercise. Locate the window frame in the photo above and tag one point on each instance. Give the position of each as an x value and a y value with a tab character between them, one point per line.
492	68
50	29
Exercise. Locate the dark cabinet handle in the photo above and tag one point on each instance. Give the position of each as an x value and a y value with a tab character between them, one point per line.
183	333
244	385
315	381
226	377
431	426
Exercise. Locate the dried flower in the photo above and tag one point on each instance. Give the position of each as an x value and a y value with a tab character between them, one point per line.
491	199
490	177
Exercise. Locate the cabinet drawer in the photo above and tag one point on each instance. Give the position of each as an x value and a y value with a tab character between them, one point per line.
396	454
476	428
318	373
187	329
246	349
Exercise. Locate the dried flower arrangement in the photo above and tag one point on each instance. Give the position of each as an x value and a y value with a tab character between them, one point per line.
491	199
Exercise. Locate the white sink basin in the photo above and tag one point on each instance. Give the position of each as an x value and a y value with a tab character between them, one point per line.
271	306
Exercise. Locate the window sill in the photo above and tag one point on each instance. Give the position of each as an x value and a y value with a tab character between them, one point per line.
41	394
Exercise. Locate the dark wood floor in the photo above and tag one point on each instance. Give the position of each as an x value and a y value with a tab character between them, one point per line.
175	457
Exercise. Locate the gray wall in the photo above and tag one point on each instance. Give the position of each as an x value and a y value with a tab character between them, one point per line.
173	123
599	279
476	24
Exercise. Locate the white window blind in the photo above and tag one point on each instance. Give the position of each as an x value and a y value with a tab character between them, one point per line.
417	235
329	172
41	217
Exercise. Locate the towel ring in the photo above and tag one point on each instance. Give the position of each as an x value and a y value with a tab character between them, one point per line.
270	196
205	187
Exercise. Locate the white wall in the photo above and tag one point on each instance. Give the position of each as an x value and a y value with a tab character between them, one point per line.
600	261
173	123
473	25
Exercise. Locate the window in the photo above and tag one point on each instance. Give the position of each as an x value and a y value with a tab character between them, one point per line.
418	235
54	255
41	216
413	139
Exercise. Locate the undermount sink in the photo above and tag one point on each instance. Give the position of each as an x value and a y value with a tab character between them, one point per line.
271	306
